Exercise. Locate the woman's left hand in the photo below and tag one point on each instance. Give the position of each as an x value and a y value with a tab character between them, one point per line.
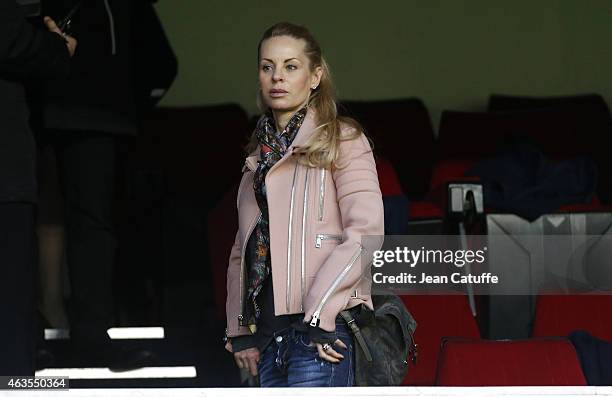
330	354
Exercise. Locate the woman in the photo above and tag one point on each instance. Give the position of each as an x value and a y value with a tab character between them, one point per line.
309	192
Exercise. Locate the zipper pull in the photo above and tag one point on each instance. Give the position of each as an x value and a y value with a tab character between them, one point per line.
318	241
240	320
314	322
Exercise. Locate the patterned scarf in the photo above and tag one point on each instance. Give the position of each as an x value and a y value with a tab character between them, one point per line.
273	148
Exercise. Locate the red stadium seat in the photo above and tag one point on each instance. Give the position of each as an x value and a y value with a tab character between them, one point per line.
438	316
387	178
530	362
558	315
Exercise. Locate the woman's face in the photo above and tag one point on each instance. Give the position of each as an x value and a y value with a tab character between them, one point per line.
285	77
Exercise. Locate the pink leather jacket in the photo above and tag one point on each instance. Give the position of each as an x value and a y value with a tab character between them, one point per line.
317	219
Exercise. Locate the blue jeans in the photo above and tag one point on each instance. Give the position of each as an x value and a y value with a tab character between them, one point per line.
290	360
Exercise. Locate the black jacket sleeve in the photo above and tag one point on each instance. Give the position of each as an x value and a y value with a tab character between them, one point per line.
29	52
240	343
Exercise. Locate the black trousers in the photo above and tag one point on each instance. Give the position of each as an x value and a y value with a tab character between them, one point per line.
86	170
17	288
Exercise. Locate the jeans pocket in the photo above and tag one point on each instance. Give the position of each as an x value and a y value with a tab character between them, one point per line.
303	341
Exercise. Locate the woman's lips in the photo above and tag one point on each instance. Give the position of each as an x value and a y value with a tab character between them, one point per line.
278	93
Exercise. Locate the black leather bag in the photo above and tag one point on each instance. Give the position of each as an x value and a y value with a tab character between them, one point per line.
384	341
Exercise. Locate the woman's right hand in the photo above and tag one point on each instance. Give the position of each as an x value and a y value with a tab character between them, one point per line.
248	358
330	354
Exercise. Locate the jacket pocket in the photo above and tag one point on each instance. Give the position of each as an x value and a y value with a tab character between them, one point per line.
320	238
314	322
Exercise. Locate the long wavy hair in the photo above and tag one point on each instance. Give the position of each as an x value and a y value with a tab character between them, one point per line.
322	149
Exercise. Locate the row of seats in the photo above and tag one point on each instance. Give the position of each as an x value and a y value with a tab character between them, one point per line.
448	335
452	353
563	128
402	131
530	362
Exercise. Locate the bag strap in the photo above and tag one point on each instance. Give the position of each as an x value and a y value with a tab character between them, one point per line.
350	321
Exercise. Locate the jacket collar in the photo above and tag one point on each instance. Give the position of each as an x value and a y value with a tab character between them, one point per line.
305	131
302	136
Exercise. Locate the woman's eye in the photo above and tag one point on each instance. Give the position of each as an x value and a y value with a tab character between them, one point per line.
291	67
266	68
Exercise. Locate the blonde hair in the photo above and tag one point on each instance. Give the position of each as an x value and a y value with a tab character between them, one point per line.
322	149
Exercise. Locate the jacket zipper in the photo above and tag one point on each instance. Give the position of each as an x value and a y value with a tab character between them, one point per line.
320	237
321	194
314	322
304	212
246	240
290	235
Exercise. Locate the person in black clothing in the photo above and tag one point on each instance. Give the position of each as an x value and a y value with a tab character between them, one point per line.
83	117
25	53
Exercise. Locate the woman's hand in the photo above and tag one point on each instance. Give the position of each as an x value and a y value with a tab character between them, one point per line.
248	359
329	354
